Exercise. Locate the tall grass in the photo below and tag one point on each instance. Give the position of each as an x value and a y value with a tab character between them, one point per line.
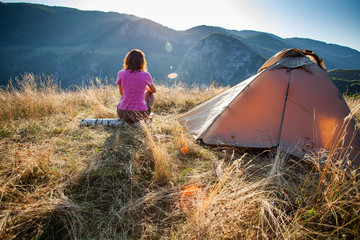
354	105
163	165
238	206
35	97
58	180
42	149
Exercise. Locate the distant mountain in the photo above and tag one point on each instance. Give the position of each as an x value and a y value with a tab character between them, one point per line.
335	56
39	25
197	33
265	44
243	33
348	81
75	46
220	58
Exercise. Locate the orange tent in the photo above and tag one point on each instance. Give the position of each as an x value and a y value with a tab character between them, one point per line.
290	104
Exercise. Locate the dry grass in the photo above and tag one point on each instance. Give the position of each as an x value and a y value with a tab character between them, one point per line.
42	150
354	105
62	181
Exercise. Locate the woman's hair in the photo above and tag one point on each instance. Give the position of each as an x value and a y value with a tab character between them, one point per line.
135	61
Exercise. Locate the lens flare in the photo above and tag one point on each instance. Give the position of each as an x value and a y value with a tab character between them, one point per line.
168	46
172	75
191	198
184	150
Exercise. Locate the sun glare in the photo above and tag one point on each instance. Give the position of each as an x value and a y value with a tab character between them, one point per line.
172	75
327	130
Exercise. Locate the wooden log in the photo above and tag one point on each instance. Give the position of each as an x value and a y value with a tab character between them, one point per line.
112	122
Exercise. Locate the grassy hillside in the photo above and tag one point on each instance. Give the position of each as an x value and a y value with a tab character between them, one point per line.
59	180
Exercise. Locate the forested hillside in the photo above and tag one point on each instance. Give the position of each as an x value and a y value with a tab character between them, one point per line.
348	81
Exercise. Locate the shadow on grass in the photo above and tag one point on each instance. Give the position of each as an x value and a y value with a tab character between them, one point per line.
109	182
115	196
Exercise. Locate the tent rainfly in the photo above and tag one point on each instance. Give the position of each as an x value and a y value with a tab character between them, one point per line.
290	104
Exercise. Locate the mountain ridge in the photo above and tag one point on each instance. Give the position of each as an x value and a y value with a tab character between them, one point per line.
236	60
75	45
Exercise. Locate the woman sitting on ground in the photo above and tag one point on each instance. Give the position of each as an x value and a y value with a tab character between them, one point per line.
134	81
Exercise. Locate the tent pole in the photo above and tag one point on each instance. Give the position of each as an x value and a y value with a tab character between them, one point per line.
283	112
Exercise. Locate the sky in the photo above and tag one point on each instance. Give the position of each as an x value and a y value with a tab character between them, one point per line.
330	21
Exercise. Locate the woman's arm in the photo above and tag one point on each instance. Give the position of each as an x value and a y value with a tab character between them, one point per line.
120	90
151	88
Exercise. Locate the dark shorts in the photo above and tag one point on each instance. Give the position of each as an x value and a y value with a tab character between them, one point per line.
132	116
